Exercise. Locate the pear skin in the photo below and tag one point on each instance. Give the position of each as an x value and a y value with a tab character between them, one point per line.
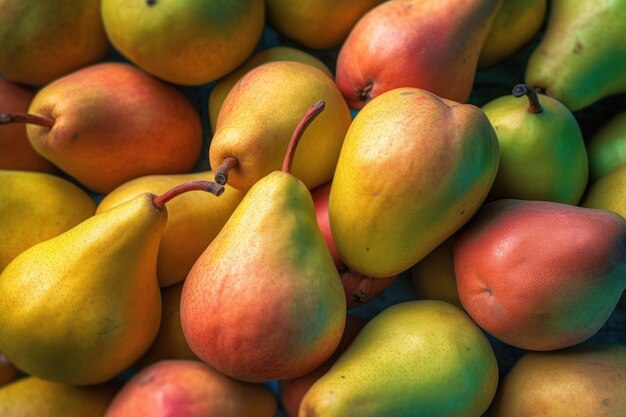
607	147
194	219
540	275
42	41
279	53
433	45
417	167
179	388
608	193
34	207
83	306
261	111
580	57
34	397
416	358
210	38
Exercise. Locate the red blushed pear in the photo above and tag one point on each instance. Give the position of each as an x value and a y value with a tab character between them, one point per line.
108	123
541	275
433	45
264	301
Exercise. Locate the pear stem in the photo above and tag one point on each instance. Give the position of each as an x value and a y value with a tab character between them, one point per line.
213	188
229	163
306	120
534	106
6	118
360	294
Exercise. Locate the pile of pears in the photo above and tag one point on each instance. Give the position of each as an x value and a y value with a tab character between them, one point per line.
322	208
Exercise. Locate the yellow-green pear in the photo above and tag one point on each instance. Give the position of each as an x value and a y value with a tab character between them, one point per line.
194	219
607	147
416	358
35	207
413	169
35	397
278	53
258	116
83	306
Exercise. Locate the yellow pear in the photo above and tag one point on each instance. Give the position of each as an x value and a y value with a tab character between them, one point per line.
35	207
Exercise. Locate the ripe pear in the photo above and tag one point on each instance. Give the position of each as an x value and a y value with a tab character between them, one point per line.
15	150
258	116
34	207
515	25
30	397
416	358
417	167
96	122
317	24
607	147
43	40
582	381
279	53
429	44
194	220
180	388
188	42
267	269
580	57
540	275
608	192
83	306
542	151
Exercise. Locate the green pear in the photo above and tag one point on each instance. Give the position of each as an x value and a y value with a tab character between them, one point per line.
581	381
83	306
581	57
264	301
416	358
35	207
607	147
417	167
542	151
43	40
188	42
34	397
258	116
194	219
608	192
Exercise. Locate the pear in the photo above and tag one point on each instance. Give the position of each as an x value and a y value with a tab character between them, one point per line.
42	40
258	116
194	220
15	150
580	57
187	42
279	53
416	358
417	167
268	269
317	24
95	122
83	306
542	151
607	147
429	44
180	388
581	381
35	206
30	397
541	275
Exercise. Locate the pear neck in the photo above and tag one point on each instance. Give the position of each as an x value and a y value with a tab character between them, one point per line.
304	122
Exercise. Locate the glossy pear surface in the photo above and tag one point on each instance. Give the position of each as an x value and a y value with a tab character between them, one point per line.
417	358
417	167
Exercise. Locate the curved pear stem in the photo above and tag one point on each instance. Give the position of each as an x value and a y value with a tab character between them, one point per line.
306	120
6	118
360	294
534	106
229	163
211	187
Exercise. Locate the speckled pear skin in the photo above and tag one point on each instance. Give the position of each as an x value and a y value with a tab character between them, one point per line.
417	167
83	306
264	301
541	275
417	358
